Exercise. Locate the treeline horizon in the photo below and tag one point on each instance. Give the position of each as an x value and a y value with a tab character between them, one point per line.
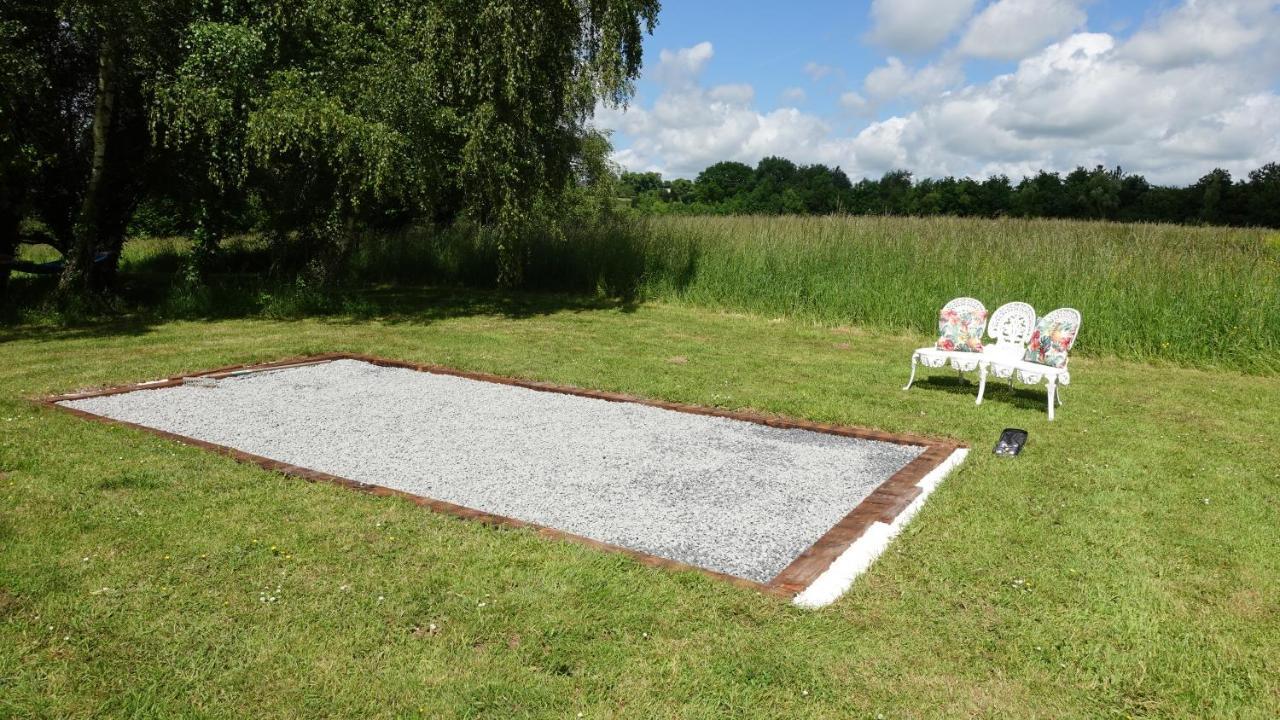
778	186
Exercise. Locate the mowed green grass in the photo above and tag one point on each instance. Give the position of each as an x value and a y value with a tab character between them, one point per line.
1124	566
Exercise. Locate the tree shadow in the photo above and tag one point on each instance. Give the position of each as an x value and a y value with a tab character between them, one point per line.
424	305
243	297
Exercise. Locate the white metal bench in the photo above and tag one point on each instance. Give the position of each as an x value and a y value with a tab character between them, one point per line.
1032	373
933	357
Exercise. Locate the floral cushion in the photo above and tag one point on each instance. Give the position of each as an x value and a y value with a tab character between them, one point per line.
1049	342
961	330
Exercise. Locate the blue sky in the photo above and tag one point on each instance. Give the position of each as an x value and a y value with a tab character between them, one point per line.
956	87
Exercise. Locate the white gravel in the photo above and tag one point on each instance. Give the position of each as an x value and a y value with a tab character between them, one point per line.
728	495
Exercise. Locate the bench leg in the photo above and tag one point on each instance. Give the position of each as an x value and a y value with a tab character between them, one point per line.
914	360
982	382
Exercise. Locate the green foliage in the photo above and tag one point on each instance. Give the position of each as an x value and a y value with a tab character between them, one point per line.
778	187
328	117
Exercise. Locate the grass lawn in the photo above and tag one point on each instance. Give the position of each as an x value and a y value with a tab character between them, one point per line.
1125	565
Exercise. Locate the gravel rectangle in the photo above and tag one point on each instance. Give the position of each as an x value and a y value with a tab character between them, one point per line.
728	495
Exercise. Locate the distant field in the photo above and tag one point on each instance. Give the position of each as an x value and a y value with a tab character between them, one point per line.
1188	295
1198	296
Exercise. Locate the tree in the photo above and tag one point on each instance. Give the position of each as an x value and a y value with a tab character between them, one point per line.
336	115
1264	195
774	188
1040	196
895	192
1133	191
821	188
26	35
124	43
201	116
1213	195
723	181
996	193
681	191
635	184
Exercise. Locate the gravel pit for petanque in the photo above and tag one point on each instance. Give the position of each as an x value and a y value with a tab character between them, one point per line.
790	507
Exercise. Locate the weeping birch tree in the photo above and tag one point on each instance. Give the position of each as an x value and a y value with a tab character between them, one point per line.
345	114
333	115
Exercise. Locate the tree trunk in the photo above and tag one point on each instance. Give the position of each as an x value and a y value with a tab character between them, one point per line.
76	276
10	221
208	237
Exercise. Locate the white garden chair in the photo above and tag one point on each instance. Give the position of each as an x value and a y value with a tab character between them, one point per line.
1031	373
934	357
1011	326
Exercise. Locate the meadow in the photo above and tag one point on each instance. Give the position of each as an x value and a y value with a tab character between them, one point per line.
1123	566
1201	296
1205	297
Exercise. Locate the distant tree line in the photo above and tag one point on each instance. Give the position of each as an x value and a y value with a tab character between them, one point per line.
778	186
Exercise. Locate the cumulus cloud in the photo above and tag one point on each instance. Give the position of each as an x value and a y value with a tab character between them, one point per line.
1167	102
854	102
683	66
1085	101
1013	29
915	26
1205	31
690	126
894	79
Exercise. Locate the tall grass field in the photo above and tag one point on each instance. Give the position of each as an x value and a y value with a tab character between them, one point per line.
1199	296
1202	296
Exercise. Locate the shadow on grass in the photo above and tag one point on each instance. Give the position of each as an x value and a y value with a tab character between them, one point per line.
243	297
426	305
1020	396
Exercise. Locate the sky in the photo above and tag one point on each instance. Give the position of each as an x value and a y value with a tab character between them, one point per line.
958	87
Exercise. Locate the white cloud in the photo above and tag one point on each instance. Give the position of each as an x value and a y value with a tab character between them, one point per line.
854	102
1204	31
735	94
914	26
894	79
690	126
794	95
1168	103
683	66
1013	29
1084	101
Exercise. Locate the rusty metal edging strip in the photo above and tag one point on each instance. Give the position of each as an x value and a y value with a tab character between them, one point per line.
882	505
